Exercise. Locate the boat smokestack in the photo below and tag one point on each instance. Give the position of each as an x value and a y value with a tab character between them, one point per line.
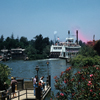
93	40
93	37
68	33
77	36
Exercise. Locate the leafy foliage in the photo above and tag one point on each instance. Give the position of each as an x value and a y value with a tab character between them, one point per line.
4	73
87	56
87	51
85	84
97	47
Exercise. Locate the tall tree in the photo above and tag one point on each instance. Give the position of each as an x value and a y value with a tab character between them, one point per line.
1	42
12	36
2	38
97	47
24	42
39	44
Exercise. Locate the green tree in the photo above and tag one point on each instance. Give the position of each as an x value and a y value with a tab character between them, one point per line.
46	51
46	42
12	36
39	44
4	73
2	38
31	52
51	42
87	56
1	42
24	42
81	43
97	47
87	51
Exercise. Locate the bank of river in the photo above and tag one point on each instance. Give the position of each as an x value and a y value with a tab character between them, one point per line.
26	69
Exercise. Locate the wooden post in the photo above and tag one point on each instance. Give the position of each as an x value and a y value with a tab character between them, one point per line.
18	95
38	93
49	80
26	93
0	95
10	96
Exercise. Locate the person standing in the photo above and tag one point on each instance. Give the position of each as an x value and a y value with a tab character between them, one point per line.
35	84
13	82
41	80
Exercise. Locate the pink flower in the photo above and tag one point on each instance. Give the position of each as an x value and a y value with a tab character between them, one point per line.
68	69
65	82
91	75
89	84
61	94
97	68
89	81
55	77
73	94
78	72
62	73
91	90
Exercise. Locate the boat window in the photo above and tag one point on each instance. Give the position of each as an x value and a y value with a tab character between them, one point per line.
57	47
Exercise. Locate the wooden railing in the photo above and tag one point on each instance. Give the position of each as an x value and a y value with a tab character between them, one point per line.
19	94
40	95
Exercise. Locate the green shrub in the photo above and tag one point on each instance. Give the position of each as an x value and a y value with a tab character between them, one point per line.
4	73
83	85
81	61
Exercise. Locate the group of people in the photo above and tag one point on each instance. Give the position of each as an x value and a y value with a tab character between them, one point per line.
36	83
39	83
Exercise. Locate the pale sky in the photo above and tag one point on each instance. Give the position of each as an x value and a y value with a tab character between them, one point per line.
29	18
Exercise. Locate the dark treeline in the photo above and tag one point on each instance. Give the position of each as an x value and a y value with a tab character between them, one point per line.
36	48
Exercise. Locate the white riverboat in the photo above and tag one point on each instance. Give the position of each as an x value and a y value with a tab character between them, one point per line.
66	50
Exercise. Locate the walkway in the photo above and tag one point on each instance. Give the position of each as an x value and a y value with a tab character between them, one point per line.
29	94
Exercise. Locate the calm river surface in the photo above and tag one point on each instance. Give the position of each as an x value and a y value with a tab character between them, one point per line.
26	69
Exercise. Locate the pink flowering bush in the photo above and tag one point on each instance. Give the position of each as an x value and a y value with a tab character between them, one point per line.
85	84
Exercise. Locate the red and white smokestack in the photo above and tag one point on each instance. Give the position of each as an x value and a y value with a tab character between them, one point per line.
77	36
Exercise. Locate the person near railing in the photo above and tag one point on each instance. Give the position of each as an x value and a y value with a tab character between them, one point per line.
40	85
35	84
5	93
13	83
43	83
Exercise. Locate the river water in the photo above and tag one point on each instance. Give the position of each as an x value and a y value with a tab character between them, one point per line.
26	69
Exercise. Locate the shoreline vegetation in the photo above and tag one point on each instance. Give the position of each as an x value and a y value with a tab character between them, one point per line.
36	48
